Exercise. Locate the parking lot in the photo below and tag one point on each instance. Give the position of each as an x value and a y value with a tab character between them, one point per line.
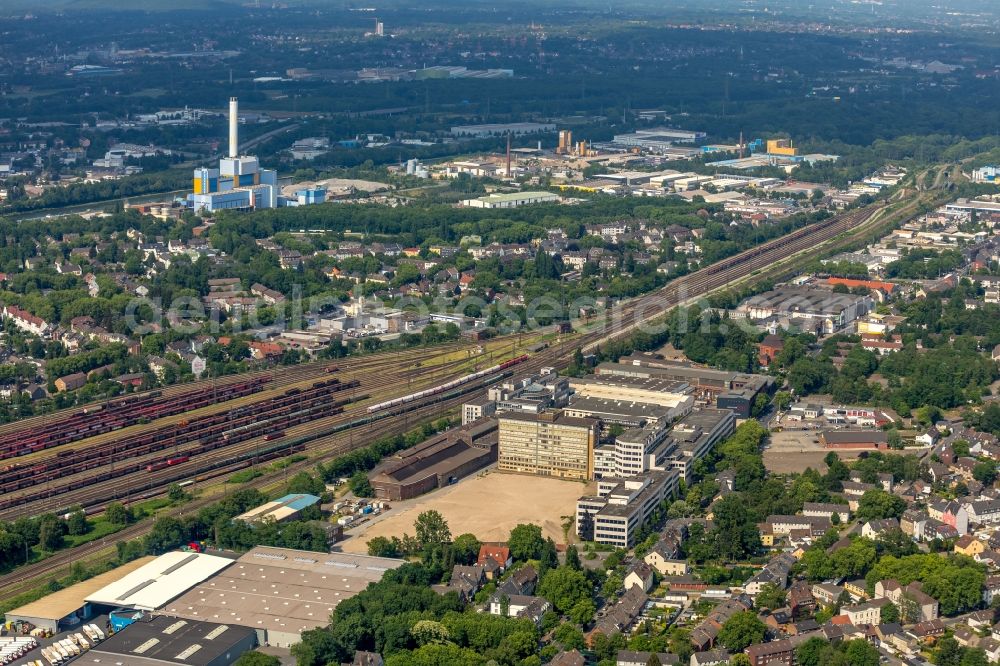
36	654
794	450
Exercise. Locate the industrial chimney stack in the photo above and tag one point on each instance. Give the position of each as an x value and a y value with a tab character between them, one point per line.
234	119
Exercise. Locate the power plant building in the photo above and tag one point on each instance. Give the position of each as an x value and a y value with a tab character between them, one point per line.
239	183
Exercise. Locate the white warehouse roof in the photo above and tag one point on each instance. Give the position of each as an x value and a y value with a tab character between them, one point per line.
163	579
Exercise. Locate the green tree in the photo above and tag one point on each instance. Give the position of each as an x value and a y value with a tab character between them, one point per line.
985	473
117	514
257	659
569	636
573	558
565	587
812	652
360	485
381	546
167	533
465	548
176	494
526	542
889	613
735	534
877	503
742	630
431	529
77	523
770	596
429	631
51	532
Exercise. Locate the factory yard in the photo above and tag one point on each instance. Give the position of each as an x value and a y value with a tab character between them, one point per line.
488	505
794	450
336	186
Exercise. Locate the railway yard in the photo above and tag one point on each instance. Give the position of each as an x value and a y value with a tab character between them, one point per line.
133	448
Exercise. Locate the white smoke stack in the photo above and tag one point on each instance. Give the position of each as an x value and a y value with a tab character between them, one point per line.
234	119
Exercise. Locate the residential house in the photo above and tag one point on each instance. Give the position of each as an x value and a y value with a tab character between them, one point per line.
620	616
710	658
929	630
951	513
363	658
571	658
969	545
499	553
703	636
866	612
630	658
520	582
775	653
827	593
991	590
912	523
518	605
873	529
639	575
465	581
914	604
984	512
827	510
70	382
800	599
662	558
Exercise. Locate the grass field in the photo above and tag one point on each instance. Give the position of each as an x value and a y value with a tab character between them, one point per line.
488	506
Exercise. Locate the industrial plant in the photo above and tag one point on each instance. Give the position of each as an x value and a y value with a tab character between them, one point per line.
240	183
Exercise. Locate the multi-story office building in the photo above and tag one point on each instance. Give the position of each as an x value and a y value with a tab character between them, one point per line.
548	444
622	506
696	434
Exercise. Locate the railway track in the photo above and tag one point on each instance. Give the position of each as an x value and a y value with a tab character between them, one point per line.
24	578
92	490
634	313
277	377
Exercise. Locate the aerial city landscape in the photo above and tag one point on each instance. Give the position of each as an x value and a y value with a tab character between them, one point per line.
463	333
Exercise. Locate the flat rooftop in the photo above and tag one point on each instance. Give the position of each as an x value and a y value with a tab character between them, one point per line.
657	384
59	604
159	581
598	406
559	419
803	300
281	589
168	640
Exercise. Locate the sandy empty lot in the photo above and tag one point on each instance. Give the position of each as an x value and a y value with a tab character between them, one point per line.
487	506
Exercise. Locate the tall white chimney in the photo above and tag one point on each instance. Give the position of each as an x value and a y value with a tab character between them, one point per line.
234	119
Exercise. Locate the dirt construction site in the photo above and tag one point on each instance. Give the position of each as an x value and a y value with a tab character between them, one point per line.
488	505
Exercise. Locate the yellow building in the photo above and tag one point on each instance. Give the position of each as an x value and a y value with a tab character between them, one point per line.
781	147
969	545
547	444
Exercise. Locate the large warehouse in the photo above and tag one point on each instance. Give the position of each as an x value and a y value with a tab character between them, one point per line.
436	462
280	592
168	640
68	606
154	584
